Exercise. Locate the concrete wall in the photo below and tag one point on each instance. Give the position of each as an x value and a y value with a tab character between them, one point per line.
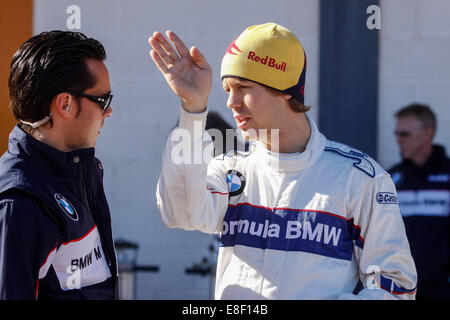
414	66
145	110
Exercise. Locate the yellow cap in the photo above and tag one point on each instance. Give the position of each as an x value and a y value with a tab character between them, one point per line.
268	54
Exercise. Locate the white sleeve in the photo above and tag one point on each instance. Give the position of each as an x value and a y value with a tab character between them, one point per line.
386	267
191	194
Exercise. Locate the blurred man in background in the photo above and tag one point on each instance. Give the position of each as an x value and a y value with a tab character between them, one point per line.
423	184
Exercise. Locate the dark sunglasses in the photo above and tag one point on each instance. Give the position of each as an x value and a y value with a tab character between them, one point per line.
402	134
104	101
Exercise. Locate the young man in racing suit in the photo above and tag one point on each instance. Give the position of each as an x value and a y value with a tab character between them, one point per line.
300	218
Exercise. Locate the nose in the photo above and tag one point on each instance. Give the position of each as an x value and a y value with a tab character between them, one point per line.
234	99
108	112
400	141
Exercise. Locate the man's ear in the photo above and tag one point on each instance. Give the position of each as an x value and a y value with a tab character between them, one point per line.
62	105
430	133
287	96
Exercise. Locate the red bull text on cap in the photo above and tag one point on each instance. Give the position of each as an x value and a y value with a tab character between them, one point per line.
268	54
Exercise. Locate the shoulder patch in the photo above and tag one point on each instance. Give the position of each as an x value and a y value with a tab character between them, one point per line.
386	198
360	159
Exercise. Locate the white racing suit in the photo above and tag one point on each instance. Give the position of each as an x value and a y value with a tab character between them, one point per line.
292	226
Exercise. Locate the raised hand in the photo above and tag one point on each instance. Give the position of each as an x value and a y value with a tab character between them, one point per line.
187	72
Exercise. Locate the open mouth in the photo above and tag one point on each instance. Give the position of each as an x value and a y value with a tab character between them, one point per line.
241	121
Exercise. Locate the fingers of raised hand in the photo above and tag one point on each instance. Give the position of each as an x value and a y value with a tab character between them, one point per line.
199	58
158	61
165	51
181	47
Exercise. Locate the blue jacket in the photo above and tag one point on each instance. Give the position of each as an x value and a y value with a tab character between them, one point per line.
55	227
424	197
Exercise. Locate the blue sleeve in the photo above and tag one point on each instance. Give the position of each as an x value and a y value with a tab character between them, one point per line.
27	236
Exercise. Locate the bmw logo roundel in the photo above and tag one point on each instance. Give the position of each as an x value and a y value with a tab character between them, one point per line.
66	206
236	182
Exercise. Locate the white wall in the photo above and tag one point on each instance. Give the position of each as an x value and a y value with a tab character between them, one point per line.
145	110
414	67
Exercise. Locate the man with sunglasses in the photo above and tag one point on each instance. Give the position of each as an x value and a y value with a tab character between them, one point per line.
422	180
55	226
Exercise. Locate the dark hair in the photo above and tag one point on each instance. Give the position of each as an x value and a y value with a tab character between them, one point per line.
297	106
421	112
46	65
294	104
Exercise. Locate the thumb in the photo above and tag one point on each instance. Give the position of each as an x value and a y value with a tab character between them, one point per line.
199	58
